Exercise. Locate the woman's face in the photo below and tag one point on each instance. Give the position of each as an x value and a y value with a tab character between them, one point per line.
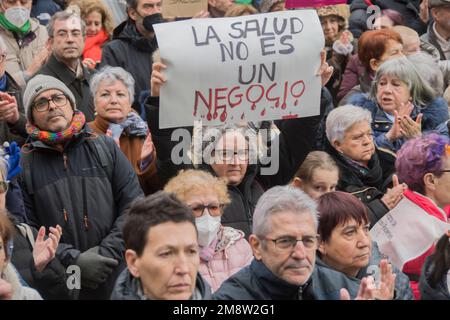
394	49
93	23
349	247
201	198
391	93
330	26
357	143
383	22
322	181
112	101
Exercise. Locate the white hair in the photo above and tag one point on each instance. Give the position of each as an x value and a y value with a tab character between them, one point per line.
113	74
342	118
280	199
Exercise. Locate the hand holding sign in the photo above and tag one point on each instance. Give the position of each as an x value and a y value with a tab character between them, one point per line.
157	79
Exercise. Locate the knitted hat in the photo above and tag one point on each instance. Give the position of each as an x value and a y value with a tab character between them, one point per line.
266	5
438	3
329	11
39	84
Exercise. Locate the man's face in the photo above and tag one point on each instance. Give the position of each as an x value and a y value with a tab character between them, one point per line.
143	9
67	40
295	264
6	4
55	118
441	16
168	265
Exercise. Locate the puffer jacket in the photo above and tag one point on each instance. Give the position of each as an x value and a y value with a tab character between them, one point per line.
368	185
409	10
133	52
431	38
128	287
329	285
433	114
82	194
427	292
20	292
296	139
232	253
21	53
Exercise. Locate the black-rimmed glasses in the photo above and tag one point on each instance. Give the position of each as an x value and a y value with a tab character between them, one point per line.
42	104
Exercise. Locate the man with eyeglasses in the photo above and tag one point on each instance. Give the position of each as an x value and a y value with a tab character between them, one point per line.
79	180
438	33
134	42
25	40
284	244
67	34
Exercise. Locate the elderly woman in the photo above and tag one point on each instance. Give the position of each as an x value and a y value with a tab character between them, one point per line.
223	250
398	100
346	246
424	164
365	170
374	48
113	91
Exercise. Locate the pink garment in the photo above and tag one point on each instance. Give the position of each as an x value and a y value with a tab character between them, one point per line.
233	253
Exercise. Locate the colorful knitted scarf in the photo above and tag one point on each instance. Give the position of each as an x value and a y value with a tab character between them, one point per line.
61	137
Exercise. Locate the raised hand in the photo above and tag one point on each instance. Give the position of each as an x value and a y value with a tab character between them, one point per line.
157	79
44	250
393	195
410	128
6	290
9	111
325	71
365	292
395	132
386	289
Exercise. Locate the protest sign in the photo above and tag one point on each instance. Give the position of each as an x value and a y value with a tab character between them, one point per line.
250	68
406	232
312	3
183	8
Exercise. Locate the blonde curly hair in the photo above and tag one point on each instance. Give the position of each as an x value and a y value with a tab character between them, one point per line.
89	6
189	181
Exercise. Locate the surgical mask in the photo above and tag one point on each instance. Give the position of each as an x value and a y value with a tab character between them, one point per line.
152	19
17	16
207	227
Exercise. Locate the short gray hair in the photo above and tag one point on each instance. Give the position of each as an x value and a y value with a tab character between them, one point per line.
429	70
342	118
421	93
281	199
63	16
113	74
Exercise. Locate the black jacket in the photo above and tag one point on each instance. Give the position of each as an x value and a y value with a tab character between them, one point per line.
127	288
133	52
51	282
369	186
427	292
79	87
257	282
408	9
296	140
73	189
17	131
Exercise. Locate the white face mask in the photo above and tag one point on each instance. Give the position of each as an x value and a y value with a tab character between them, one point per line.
207	227
18	16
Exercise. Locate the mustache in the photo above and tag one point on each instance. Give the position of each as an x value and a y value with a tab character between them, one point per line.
297	265
54	114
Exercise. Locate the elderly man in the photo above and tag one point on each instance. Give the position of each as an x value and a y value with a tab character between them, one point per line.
284	244
67	32
79	180
25	39
438	33
161	267
134	42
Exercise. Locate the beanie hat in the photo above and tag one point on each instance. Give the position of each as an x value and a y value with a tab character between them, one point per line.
266	5
39	84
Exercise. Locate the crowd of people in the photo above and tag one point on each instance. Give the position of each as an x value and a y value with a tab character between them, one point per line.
93	205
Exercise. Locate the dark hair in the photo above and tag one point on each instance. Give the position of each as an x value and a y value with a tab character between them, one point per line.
440	260
151	211
6	230
372	44
336	208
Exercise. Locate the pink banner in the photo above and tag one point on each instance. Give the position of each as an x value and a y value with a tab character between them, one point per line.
312	3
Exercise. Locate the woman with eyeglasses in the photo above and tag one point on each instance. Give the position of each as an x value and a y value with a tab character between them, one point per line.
424	164
402	104
113	92
223	250
365	171
346	246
